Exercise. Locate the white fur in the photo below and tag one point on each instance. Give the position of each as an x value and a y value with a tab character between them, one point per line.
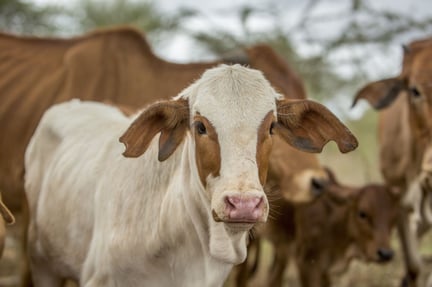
107	220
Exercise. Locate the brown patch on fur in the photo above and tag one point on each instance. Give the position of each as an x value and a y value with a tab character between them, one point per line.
264	146
216	217
170	118
207	154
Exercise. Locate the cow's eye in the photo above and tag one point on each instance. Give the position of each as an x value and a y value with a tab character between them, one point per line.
272	128
200	128
362	214
414	92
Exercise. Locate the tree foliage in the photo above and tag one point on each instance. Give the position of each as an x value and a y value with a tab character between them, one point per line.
20	17
363	25
143	15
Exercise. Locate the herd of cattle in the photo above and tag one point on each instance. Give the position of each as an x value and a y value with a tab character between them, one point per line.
133	171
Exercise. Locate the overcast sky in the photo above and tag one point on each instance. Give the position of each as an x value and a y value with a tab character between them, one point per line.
221	14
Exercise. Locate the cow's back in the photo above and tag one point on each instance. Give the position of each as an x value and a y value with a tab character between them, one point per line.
115	65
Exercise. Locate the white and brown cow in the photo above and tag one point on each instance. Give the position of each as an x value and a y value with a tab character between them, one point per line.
176	209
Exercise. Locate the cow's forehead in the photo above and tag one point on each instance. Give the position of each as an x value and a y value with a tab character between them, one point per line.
417	63
232	95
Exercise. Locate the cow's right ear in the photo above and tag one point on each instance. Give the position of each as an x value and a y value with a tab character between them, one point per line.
339	193
6	214
170	118
380	94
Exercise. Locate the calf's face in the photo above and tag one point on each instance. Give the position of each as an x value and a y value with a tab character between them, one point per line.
373	215
232	115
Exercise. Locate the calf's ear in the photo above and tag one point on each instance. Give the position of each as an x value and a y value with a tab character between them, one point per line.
380	94
6	214
170	118
308	126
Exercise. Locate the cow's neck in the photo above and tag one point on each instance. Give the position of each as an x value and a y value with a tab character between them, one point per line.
342	229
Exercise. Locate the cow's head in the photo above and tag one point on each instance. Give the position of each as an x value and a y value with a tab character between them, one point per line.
414	82
373	212
229	118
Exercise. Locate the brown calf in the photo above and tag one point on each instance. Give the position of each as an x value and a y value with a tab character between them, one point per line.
342	224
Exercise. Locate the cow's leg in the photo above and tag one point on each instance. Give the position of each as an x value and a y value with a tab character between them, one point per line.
43	276
26	280
279	265
310	274
407	229
41	272
312	266
98	281
325	278
429	280
95	271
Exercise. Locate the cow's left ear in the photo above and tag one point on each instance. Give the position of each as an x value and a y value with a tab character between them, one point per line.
380	94
6	214
170	118
308	126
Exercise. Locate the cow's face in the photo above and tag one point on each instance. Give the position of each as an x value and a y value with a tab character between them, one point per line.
373	215
419	91
232	115
295	175
305	185
414	82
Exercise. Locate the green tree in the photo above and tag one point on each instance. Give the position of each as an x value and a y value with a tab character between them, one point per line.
143	15
315	70
364	25
21	17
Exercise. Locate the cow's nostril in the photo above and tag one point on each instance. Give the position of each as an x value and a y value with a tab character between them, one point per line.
230	202
385	254
317	185
260	201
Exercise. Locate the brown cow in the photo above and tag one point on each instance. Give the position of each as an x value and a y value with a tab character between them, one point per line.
342	224
405	135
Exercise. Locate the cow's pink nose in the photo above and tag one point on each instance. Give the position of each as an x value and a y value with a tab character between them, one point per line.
244	209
